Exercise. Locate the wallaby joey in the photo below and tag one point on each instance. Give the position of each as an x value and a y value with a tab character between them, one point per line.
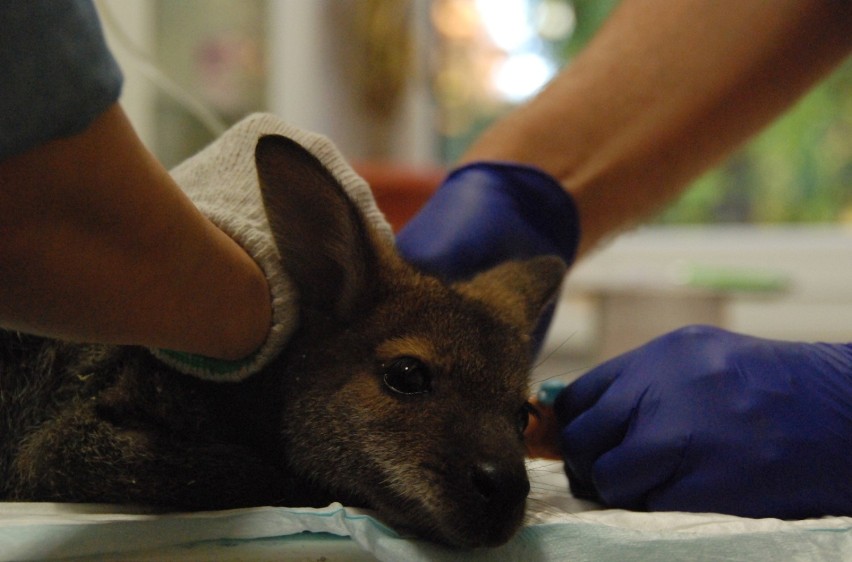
397	393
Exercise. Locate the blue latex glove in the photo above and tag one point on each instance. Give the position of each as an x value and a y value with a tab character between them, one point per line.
702	419
486	213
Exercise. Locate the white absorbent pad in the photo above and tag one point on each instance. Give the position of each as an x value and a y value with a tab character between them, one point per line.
558	528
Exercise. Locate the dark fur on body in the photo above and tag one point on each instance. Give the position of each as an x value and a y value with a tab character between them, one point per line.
86	423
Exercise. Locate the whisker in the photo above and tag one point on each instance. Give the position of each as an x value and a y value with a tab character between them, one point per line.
560	374
544	502
544	359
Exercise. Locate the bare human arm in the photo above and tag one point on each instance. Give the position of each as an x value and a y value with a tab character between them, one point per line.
97	243
663	92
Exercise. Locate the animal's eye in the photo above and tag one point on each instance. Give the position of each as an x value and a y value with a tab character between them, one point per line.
524	414
407	375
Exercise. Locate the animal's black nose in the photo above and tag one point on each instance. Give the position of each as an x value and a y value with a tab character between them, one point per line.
500	484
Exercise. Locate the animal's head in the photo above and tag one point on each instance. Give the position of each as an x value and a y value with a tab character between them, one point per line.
403	394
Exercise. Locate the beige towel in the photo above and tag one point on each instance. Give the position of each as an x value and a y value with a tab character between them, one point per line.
222	182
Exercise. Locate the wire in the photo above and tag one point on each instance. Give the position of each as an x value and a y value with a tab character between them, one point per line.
146	65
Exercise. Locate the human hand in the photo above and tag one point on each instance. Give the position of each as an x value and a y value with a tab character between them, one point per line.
702	419
486	213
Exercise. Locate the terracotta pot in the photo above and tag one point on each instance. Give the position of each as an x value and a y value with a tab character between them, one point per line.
400	190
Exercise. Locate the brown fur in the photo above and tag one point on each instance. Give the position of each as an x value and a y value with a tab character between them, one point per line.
111	424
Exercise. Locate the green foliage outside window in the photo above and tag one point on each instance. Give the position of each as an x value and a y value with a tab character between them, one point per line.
799	170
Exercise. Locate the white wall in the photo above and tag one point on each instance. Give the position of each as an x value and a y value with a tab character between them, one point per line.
309	86
817	261
135	22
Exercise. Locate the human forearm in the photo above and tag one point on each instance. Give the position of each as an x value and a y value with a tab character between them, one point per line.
663	92
97	243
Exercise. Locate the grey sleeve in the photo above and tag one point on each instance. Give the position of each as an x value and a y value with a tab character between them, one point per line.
56	71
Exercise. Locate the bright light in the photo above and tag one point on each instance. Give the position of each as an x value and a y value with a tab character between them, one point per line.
507	22
521	76
555	20
457	19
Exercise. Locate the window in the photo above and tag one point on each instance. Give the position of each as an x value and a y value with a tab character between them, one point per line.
494	55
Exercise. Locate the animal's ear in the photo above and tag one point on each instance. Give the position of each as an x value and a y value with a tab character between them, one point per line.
518	291
323	240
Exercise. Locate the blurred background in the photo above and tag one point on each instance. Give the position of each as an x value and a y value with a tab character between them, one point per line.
761	244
